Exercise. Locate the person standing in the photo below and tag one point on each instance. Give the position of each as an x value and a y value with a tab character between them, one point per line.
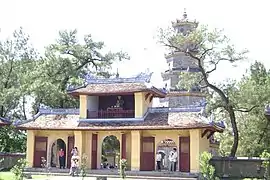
74	154
61	155
174	159
171	164
158	159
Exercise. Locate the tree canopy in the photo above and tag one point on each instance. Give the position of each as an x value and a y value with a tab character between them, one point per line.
25	75
254	128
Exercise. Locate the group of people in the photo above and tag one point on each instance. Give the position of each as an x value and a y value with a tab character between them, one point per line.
173	157
74	159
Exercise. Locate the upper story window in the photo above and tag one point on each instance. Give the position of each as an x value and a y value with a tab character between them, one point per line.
113	106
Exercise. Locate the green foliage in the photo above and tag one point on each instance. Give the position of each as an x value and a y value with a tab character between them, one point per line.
18	169
64	64
266	163
83	165
16	57
110	144
123	168
189	80
254	129
27	77
12	140
207	170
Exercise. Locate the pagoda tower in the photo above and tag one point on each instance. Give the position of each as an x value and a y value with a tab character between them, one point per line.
179	62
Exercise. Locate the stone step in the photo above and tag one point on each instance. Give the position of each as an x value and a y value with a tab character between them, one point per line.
109	178
55	176
115	174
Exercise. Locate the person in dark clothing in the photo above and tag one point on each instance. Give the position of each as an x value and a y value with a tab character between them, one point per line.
61	154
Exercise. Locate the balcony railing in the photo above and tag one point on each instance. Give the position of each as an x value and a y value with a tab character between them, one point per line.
110	113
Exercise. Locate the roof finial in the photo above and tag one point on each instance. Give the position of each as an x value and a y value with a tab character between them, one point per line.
117	74
185	14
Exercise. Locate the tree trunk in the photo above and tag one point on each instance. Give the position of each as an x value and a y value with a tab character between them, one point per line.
24	110
235	131
63	89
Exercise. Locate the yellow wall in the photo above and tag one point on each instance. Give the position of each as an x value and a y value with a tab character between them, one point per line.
30	147
83	106
141	104
197	146
83	142
135	150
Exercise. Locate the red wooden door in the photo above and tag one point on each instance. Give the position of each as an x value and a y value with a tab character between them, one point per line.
69	149
94	151
40	150
147	154
184	154
124	146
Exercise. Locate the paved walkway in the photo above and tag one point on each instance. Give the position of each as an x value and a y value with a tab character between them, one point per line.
94	178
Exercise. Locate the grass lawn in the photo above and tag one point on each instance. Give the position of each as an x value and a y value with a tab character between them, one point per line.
9	176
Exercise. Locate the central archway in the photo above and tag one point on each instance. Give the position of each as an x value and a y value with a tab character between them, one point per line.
165	147
56	146
110	153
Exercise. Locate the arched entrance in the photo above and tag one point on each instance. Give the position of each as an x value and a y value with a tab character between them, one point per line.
165	147
56	146
110	152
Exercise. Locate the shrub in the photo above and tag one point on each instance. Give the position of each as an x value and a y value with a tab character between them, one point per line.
265	163
206	169
123	167
18	169
45	165
83	165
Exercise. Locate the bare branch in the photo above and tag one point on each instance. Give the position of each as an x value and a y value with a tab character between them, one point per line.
205	52
86	61
246	110
205	78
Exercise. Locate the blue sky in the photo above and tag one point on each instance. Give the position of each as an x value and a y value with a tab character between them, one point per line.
131	25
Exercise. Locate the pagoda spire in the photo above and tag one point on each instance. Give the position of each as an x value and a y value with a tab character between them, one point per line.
185	14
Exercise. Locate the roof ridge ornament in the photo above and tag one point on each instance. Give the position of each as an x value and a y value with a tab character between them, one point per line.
143	77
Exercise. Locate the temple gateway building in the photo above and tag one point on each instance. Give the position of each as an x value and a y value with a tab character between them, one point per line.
122	109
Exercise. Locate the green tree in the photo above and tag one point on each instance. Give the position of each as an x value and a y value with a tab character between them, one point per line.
16	57
254	127
65	63
207	48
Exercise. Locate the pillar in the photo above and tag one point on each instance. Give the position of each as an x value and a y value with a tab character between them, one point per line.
83	106
139	105
195	137
30	148
78	135
135	150
88	148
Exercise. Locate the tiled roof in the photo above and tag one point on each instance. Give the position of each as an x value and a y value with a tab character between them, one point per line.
52	121
184	93
107	88
156	120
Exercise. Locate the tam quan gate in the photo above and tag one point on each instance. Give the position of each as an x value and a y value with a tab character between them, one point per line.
124	108
138	147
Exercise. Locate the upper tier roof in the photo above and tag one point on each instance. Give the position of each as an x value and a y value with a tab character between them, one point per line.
108	86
